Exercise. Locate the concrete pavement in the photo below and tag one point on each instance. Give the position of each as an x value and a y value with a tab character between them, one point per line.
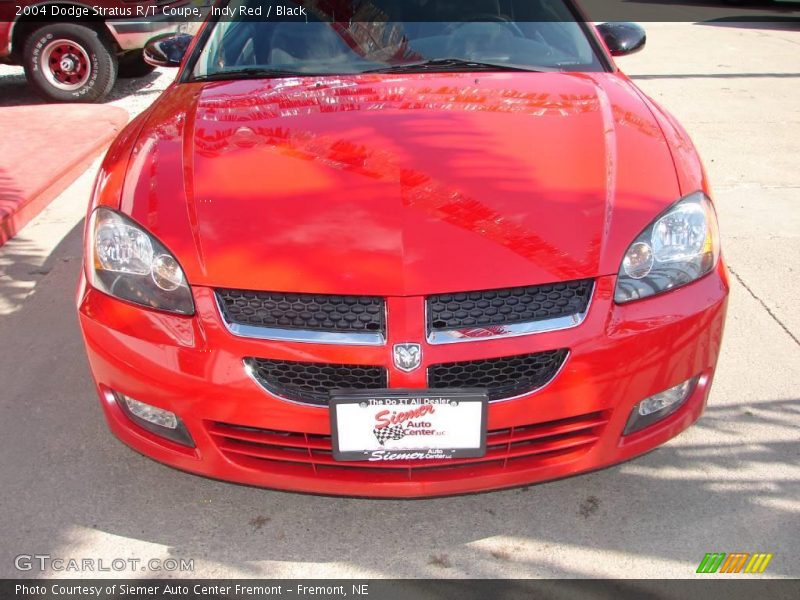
731	483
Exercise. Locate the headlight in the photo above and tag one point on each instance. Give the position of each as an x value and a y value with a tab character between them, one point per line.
128	263
680	246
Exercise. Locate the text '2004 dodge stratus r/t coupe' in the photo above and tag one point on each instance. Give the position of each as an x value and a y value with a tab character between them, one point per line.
445	250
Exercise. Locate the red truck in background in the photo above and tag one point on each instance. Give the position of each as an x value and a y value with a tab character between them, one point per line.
74	50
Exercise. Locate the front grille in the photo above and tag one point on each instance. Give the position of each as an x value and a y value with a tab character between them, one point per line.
507	306
311	383
315	312
502	377
518	447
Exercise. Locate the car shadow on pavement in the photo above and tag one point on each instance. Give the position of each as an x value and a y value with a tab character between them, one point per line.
138	86
19	271
71	490
15	90
10	195
19	267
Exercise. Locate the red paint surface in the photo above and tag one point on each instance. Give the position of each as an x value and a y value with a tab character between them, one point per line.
548	175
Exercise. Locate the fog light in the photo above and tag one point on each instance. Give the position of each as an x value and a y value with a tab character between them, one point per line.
156	416
156	420
658	406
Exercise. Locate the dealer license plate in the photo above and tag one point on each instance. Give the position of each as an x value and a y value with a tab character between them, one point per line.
378	425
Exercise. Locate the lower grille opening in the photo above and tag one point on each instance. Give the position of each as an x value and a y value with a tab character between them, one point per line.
523	446
311	383
504	377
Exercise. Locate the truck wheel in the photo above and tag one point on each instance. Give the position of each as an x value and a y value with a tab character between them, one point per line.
69	63
131	64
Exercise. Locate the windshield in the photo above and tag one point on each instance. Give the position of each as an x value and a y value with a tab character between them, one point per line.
327	37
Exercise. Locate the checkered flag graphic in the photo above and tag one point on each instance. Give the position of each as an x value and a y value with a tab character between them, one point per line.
393	432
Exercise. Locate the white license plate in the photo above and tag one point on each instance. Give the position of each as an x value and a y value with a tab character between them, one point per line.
408	424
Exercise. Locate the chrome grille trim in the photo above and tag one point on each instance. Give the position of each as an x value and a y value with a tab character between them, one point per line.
308	336
480	334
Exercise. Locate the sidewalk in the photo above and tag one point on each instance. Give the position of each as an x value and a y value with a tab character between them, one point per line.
43	149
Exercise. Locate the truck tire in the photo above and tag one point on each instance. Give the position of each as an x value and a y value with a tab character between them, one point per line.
131	64
66	62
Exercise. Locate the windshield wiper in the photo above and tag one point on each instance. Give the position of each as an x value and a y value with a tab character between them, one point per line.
251	73
456	64
438	64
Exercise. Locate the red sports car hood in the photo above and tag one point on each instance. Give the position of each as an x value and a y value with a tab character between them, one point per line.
400	185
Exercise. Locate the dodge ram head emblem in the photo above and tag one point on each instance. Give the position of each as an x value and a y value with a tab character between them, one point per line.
407	357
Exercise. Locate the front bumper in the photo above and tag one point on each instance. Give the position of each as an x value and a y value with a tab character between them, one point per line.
193	366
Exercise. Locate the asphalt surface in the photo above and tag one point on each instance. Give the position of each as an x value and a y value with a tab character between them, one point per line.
731	483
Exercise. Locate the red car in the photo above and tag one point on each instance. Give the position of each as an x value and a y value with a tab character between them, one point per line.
424	249
73	51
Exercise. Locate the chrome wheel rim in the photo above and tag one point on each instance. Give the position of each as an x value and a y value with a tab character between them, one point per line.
65	65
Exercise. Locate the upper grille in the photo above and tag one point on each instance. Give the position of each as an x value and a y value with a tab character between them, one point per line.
508	306
311	383
505	377
319	312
